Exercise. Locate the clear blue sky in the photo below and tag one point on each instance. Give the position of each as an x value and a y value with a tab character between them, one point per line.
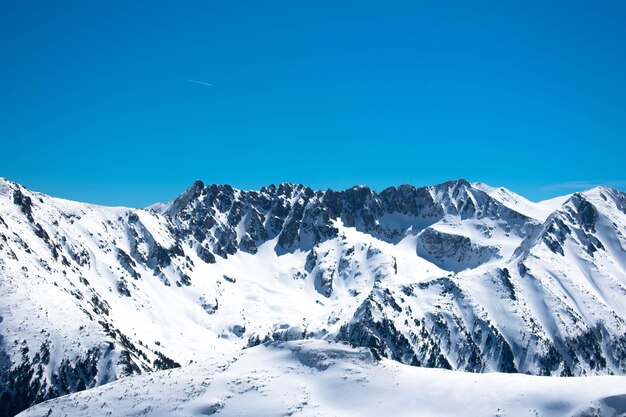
96	102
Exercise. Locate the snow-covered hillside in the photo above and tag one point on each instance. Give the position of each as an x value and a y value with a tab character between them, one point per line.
315	378
448	276
539	211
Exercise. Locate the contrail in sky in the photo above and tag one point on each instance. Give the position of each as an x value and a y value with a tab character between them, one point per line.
199	82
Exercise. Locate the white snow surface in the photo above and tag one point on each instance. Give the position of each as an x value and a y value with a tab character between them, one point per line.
316	378
536	210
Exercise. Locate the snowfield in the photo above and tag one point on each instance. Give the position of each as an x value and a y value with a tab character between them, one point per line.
316	378
458	276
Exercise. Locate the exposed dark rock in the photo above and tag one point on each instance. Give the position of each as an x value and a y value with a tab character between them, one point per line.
127	263
24	202
122	288
324	282
453	252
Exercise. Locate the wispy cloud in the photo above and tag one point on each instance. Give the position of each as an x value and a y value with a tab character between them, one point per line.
198	82
581	185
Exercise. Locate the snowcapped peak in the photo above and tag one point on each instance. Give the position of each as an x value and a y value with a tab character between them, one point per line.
589	221
604	199
603	193
190	194
452	188
193	191
453	184
197	184
538	211
159	207
5	187
359	187
288	188
484	187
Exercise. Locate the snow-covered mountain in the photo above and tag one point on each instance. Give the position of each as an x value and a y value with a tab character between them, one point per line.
453	276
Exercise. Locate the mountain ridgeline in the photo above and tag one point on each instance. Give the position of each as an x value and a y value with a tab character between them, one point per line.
459	276
222	220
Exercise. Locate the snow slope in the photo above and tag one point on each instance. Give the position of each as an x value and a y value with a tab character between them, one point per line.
444	276
315	378
556	307
539	211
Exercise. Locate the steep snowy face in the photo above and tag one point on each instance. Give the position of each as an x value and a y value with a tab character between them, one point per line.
556	307
539	211
73	285
578	264
442	276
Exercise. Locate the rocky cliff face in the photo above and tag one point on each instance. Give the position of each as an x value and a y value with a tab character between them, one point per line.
224	220
443	276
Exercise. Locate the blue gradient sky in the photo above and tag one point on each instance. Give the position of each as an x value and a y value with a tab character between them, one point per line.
96	102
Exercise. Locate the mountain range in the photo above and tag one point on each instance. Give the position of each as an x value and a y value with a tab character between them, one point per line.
459	276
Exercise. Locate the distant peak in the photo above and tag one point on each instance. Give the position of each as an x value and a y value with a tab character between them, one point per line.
194	190
455	183
485	187
600	188
359	187
591	193
5	186
197	184
190	194
605	194
285	188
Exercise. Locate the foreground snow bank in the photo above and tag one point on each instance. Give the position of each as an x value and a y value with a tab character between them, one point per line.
316	378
